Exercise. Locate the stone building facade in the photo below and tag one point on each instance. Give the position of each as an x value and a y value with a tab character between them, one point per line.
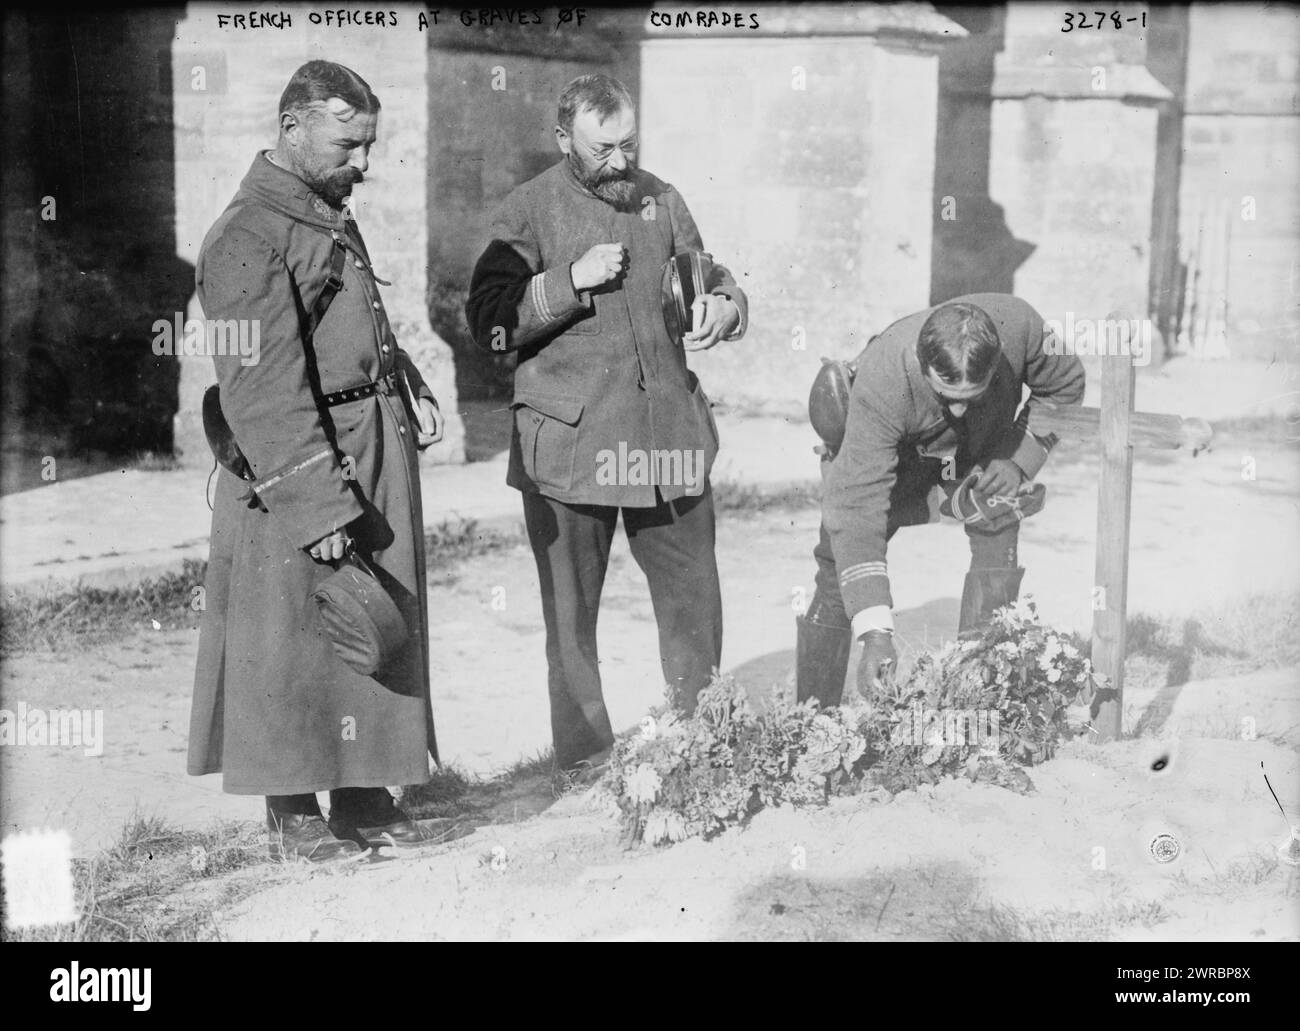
850	162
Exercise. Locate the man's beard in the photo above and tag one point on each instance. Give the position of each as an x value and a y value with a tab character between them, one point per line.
615	188
333	187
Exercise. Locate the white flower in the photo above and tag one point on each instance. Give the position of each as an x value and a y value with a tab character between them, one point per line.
656	827
1069	651
664	825
643	785
1023	610
1053	675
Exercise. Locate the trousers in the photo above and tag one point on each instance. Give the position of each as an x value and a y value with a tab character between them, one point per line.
673	544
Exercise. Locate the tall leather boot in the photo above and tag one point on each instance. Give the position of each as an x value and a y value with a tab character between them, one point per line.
986	591
821	661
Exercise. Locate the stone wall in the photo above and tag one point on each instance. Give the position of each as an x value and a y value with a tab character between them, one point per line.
1242	157
818	153
805	151
1073	159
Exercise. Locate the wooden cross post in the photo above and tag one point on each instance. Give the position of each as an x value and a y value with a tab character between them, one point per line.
1118	429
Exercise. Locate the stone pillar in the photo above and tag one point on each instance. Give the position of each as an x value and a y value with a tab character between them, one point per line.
227	84
1073	158
1241	156
805	150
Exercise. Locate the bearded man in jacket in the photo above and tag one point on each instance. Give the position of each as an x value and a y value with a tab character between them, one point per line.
608	417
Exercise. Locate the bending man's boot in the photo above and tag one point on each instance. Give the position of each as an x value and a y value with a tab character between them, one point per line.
986	591
821	660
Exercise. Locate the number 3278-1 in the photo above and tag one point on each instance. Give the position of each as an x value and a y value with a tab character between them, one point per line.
1115	20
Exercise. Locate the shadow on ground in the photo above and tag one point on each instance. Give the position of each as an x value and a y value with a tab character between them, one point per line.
916	630
913	903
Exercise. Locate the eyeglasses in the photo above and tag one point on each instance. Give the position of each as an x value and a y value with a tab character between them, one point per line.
604	152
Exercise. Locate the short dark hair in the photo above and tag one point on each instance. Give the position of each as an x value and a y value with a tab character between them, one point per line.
958	342
318	81
603	94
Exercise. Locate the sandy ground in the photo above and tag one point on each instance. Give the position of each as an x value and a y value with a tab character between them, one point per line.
959	860
1203	539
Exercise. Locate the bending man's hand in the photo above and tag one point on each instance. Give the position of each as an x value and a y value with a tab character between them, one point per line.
717	317
878	656
1002	476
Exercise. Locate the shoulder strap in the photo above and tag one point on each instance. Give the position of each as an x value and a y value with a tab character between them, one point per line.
333	284
220	438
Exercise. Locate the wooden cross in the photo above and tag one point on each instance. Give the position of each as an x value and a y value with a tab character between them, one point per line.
1118	430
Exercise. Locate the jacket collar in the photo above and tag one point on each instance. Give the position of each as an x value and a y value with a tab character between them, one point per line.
282	191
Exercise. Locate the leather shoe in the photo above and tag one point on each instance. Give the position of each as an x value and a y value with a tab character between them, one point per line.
373	816
299	836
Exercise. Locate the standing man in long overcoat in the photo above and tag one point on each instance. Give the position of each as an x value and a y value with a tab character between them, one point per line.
330	432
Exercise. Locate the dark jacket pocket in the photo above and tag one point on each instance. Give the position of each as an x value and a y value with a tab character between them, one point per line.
548	436
705	407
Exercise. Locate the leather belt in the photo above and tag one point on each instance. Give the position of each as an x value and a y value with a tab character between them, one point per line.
383	385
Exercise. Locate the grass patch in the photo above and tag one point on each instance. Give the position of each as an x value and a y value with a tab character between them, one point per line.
447	793
162	883
1275	429
1260	631
154	462
523	789
464	539
729	496
158	882
51	620
36	620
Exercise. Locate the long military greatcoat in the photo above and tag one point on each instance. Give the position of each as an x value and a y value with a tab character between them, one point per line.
274	709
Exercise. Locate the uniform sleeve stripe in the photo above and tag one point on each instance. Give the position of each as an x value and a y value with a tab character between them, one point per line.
272	481
539	297
862	571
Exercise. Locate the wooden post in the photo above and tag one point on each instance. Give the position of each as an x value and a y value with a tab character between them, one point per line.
1114	502
1117	428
